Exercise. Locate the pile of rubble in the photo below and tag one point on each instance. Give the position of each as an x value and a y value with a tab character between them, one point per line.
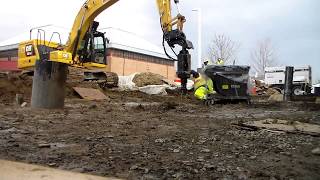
263	89
147	78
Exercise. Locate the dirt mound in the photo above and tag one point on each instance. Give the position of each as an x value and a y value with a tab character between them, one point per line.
145	79
13	84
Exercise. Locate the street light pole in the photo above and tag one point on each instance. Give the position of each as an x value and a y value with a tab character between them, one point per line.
199	64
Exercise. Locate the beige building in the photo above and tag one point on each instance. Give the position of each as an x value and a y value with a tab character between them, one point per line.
125	63
127	53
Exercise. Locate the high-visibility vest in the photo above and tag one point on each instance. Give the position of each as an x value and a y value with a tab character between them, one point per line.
201	93
203	87
221	62
210	86
199	82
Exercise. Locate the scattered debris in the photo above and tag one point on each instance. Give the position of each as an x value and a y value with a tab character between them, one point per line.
19	99
276	98
154	89
159	140
52	164
262	89
44	145
318	100
134	167
126	83
272	91
316	151
252	157
93	106
176	150
205	150
90	94
110	136
284	125
149	83
24	104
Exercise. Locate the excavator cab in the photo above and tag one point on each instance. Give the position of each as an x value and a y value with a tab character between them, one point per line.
93	46
93	53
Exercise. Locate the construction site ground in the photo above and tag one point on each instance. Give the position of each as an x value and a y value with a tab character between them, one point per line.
138	136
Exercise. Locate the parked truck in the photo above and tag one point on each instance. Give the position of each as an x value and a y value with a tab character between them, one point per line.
302	79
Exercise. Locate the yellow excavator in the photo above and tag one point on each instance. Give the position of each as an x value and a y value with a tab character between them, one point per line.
80	49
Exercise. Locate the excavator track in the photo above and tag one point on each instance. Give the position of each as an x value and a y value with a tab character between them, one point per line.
103	79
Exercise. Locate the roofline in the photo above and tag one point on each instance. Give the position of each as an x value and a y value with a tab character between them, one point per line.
111	45
9	47
137	50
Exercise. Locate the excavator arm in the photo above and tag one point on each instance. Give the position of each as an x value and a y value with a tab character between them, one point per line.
84	23
92	8
84	30
173	36
82	50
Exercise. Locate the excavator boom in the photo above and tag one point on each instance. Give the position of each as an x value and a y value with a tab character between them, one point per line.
84	31
51	59
88	12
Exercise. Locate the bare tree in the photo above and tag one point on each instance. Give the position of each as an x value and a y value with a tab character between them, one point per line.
223	47
263	56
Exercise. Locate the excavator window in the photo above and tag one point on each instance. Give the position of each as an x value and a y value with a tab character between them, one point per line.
99	48
93	48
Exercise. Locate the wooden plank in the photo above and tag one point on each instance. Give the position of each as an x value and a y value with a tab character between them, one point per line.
17	171
90	94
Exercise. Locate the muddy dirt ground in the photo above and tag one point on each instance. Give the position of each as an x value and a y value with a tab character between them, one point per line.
137	136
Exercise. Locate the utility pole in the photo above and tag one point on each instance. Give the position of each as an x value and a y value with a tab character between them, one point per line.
199	62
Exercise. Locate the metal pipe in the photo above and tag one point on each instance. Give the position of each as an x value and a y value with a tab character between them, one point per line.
48	88
288	84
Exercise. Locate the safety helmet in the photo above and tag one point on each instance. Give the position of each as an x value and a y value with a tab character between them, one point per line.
206	62
194	74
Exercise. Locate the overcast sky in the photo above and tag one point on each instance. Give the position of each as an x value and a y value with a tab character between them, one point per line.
292	25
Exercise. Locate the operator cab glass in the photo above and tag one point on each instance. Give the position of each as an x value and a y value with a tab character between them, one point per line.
99	49
93	48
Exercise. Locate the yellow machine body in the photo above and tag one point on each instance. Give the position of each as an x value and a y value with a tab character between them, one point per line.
30	51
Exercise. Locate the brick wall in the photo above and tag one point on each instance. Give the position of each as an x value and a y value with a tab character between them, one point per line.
8	60
8	66
124	67
125	63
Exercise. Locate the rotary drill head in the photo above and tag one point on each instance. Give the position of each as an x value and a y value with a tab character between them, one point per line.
184	62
